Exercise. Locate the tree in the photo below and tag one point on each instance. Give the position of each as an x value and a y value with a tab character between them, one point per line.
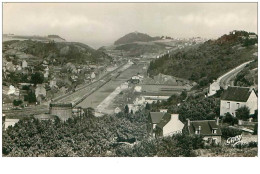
37	78
228	118
126	109
243	113
147	106
17	102
255	129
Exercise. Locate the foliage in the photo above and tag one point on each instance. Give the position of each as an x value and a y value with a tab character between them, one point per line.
243	113
228	118
255	129
126	109
171	146
31	97
230	132
37	78
17	102
80	136
203	62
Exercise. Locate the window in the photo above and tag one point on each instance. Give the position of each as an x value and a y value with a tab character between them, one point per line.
228	105
238	105
214	131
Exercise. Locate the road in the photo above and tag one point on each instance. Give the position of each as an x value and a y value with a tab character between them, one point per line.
227	79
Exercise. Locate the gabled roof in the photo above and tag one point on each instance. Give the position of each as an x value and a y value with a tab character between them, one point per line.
156	117
240	94
165	119
206	127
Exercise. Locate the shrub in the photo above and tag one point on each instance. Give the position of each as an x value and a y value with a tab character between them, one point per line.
230	132
252	144
17	102
243	113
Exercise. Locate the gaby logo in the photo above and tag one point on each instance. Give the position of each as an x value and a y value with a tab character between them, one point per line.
233	140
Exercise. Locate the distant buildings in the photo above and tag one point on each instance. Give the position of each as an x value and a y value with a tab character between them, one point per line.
209	129
236	97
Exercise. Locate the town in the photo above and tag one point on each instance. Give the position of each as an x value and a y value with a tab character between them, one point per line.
142	96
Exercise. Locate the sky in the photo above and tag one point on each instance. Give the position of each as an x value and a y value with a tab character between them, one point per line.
99	24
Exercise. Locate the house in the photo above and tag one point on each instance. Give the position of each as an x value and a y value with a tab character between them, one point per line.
24	64
117	110
154	118
252	36
168	125
209	129
62	110
10	122
213	88
40	92
236	97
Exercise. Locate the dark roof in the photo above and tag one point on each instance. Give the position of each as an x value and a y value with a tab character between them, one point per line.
60	104
156	117
239	94
206	127
165	119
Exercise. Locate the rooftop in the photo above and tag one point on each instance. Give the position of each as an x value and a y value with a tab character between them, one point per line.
239	94
206	127
156	117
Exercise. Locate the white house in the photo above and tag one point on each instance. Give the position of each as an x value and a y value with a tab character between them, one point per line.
40	92
213	88
164	124
236	97
117	110
24	64
169	125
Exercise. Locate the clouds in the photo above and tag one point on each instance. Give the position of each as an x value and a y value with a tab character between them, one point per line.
100	24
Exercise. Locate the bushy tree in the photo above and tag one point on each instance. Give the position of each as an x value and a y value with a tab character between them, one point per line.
228	118
255	129
17	102
230	132
126	109
243	113
37	78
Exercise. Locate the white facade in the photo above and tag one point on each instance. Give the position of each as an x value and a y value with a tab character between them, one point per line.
10	122
231	106
174	126
24	64
213	88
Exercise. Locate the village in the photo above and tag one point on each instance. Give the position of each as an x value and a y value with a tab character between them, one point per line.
69	91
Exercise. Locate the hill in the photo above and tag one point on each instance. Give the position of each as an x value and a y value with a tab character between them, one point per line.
205	62
134	37
63	52
56	38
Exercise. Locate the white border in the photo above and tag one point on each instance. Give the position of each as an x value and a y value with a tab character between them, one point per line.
128	165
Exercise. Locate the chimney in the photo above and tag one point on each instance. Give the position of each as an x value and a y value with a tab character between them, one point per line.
188	121
217	121
175	116
164	110
199	128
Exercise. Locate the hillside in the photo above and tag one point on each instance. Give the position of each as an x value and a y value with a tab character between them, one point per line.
248	77
137	49
134	37
205	62
56	38
63	52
